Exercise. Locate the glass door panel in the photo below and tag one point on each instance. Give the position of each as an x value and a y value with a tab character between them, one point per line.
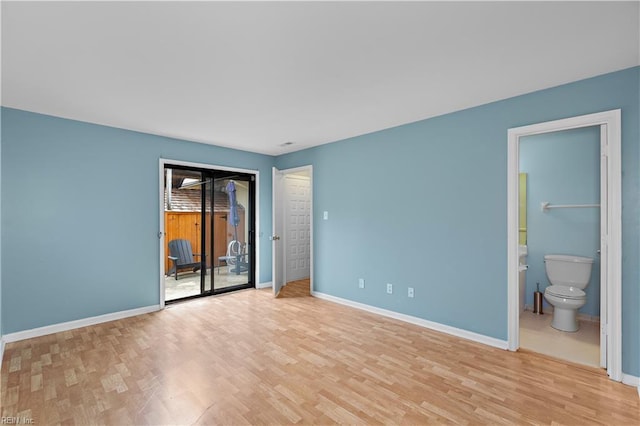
209	232
184	229
233	201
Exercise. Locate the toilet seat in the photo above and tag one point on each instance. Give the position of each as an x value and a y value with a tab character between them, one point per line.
566	292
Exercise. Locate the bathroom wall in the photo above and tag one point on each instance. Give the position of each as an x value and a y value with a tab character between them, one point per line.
563	168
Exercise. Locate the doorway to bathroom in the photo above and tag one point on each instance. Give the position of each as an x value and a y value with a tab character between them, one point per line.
560	215
573	207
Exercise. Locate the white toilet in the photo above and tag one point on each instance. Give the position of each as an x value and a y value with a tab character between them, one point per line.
569	276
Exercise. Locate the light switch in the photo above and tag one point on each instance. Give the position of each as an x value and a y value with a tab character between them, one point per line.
325	215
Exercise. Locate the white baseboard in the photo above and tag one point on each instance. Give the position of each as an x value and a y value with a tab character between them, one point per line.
458	332
549	310
1	350
630	380
70	325
267	284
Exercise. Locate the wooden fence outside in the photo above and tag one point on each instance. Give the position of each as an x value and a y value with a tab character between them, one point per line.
187	226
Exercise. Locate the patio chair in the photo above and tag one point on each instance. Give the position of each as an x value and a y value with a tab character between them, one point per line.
236	258
182	256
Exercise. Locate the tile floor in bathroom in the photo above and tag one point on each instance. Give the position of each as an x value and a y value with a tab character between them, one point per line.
583	346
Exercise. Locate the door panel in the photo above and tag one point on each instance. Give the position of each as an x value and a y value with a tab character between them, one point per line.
297	224
234	194
184	232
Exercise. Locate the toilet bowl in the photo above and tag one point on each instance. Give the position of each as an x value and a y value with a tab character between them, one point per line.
569	276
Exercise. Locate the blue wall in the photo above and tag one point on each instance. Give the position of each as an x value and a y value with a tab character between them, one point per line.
80	216
0	233
563	168
425	205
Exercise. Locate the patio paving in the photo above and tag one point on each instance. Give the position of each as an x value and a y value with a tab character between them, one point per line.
188	283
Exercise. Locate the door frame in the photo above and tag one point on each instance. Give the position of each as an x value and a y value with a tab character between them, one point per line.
611	235
283	238
161	232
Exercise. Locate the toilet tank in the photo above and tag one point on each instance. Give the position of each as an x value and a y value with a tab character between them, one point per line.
571	271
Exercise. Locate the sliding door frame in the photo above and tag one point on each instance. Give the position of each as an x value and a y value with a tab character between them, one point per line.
164	162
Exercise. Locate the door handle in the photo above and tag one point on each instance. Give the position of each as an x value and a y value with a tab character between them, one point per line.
275	238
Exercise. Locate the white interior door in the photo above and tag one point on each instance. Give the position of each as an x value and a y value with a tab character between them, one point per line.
278	230
297	223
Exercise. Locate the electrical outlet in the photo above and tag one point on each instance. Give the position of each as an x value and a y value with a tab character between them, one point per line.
361	283
410	292
389	288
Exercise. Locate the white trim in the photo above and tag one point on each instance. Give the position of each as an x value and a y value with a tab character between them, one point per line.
207	166
161	232
310	169
277	258
630	380
611	120
70	325
604	274
162	163
267	284
458	332
1	351
256	219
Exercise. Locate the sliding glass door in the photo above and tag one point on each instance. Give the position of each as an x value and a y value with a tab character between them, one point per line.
209	232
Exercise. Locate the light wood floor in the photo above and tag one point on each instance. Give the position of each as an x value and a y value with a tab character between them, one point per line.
250	358
299	288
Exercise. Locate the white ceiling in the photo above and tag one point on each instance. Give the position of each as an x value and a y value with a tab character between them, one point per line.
253	76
